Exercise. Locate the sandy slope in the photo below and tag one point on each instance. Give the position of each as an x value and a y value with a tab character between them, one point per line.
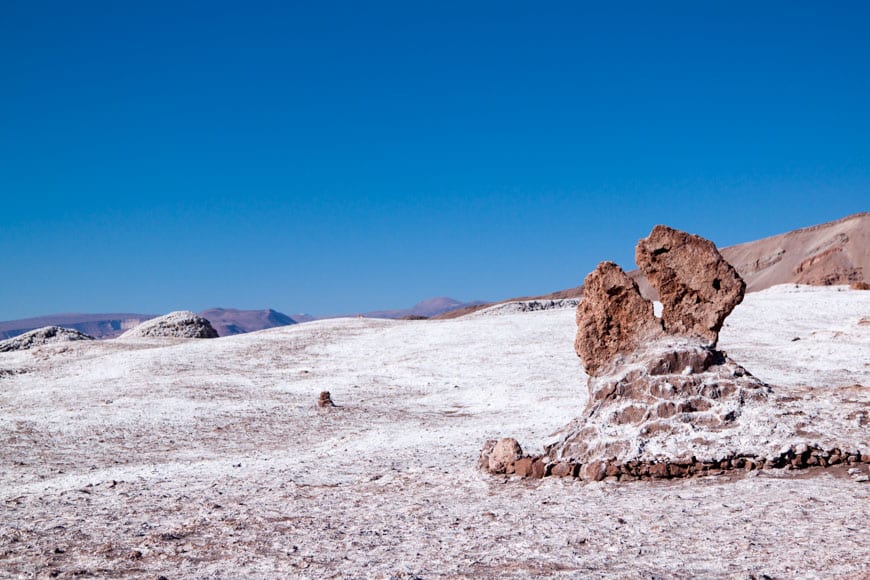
836	252
208	458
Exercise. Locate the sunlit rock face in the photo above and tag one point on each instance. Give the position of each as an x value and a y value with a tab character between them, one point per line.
657	387
697	287
663	401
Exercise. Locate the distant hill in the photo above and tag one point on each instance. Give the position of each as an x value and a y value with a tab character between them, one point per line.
96	325
299	318
229	321
424	309
836	252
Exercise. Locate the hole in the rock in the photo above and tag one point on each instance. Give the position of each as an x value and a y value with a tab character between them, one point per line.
660	251
716	284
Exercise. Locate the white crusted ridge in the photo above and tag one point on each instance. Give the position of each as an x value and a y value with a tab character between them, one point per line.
178	324
42	336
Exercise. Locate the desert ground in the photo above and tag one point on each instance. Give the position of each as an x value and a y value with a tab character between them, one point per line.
209	459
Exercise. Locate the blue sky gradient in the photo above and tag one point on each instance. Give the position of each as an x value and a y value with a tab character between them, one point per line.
330	157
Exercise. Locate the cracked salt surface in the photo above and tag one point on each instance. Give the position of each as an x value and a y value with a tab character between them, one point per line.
208	458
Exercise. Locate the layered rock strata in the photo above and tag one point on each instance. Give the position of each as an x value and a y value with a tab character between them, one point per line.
663	402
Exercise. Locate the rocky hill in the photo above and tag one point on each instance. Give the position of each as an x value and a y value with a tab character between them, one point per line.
179	324
96	325
42	336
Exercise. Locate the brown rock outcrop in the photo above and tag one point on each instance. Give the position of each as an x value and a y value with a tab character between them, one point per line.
655	385
696	286
613	318
501	456
325	400
662	401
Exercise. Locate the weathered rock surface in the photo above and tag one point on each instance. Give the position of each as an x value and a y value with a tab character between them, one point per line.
658	387
325	400
179	324
663	402
41	336
672	398
696	286
501	456
613	318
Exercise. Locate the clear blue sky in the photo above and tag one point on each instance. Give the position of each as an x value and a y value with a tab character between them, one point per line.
333	157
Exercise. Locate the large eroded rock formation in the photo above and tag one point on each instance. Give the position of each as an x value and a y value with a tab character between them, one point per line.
663	402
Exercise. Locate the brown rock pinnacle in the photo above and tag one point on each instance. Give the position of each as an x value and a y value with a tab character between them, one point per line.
658	388
696	286
612	318
663	402
325	400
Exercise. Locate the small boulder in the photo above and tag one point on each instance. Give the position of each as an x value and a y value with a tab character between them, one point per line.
325	400
500	456
523	467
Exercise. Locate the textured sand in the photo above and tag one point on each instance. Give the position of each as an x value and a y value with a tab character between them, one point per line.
208	459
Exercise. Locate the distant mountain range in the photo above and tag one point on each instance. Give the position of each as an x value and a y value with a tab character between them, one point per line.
424	309
96	325
836	252
227	321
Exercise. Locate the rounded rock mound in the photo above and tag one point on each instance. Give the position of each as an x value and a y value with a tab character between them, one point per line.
179	324
42	336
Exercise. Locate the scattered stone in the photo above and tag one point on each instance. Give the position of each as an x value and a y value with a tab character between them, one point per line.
13	372
179	324
594	471
42	336
502	456
539	468
523	467
325	400
562	470
483	460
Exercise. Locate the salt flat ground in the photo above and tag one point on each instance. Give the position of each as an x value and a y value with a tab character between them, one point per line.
208	459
